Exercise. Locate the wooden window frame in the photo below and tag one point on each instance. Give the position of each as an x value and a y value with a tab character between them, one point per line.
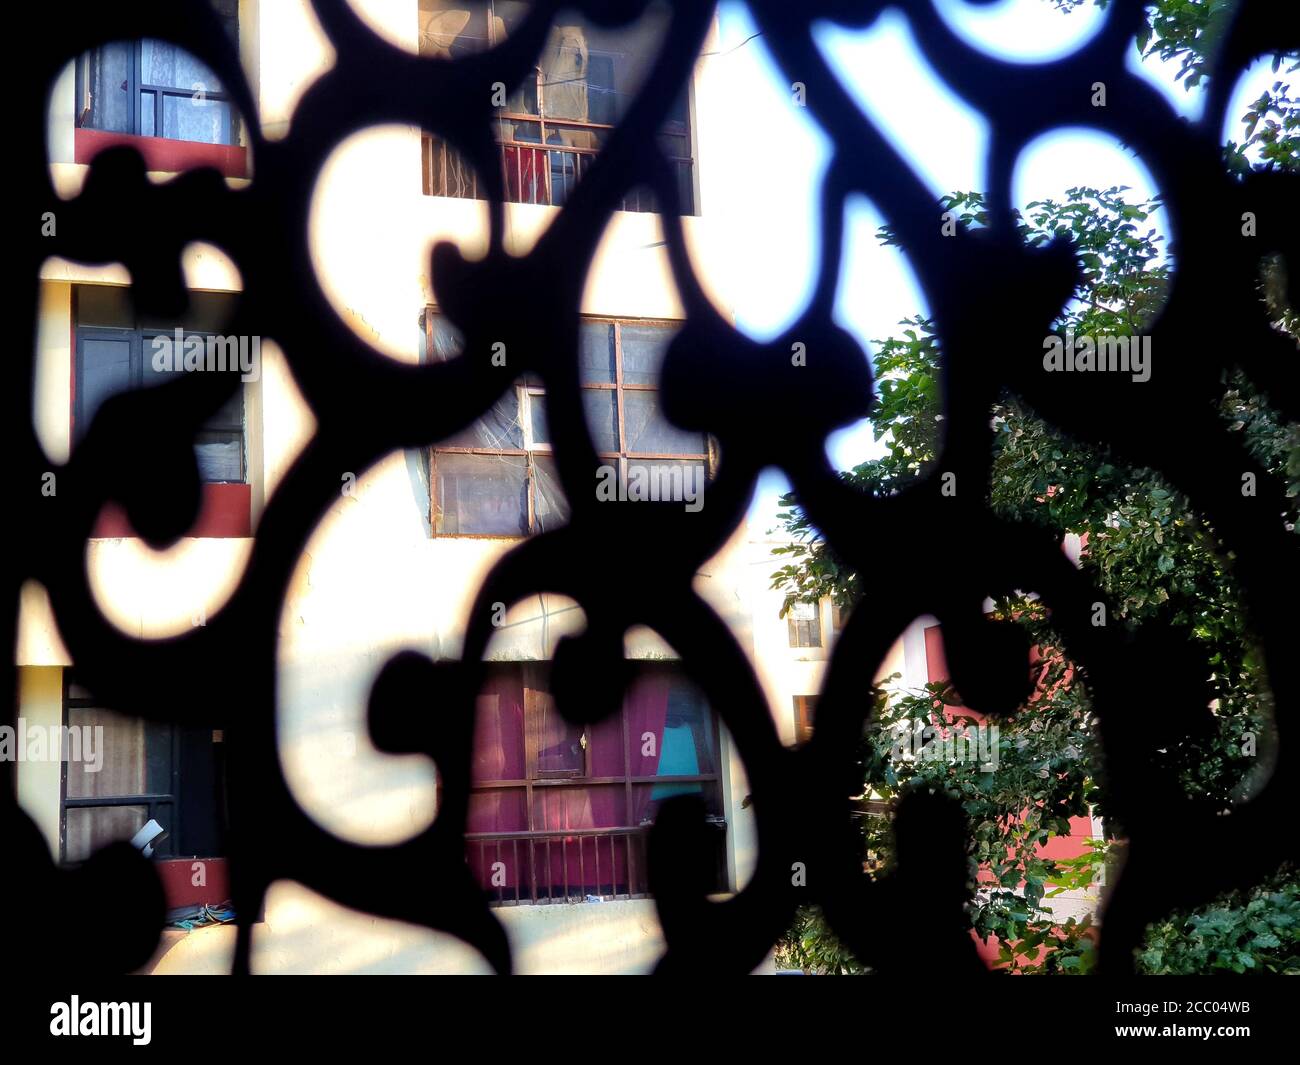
182	807
534	685
796	627
154	801
526	389
672	128
804	709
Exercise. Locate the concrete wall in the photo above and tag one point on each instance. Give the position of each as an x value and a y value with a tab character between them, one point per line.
306	933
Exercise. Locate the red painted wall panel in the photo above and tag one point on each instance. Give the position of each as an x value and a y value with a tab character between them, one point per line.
177	876
225	511
163	153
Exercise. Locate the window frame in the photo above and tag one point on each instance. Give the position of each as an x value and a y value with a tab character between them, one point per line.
796	626
805	707
432	147
136	335
153	801
525	389
535	673
188	818
138	86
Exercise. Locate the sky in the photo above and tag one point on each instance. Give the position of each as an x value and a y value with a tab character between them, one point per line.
945	140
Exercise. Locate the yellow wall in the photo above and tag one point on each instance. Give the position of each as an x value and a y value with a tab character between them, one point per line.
40	700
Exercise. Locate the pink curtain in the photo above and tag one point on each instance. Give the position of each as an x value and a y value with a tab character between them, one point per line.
569	862
646	708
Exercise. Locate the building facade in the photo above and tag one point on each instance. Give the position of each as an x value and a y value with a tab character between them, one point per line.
557	821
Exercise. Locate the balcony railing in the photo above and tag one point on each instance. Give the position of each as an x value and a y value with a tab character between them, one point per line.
564	866
568	865
542	161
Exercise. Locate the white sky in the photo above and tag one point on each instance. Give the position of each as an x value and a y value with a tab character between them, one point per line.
885	72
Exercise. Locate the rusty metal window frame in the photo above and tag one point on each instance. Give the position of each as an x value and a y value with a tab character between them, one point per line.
538	842
525	389
434	154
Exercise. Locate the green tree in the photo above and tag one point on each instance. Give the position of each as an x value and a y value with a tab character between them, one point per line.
1147	548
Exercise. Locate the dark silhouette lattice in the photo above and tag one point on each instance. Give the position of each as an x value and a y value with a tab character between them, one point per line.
1145	687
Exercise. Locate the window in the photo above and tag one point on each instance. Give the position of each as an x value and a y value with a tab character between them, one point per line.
557	811
127	771
579	90
805	621
803	717
153	88
114	354
498	477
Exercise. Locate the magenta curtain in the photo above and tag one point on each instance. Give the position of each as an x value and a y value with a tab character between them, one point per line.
568	862
646	708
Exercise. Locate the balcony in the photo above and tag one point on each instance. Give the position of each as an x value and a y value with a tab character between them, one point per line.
542	161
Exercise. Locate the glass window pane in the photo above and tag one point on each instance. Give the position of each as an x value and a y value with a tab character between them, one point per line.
105	371
644	347
208	312
559	746
541	432
452	29
649	432
484	494
596	353
447	341
601	408
87	828
170	66
231	414
148	114
498	810
499	429
116	760
572	806
196	118
662	480
605	101
105	305
550	507
108	86
220	456
802	611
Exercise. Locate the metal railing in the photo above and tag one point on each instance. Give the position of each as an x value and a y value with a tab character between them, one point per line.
539	172
568	865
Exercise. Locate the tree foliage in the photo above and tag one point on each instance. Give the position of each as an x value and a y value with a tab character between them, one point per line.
1158	560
